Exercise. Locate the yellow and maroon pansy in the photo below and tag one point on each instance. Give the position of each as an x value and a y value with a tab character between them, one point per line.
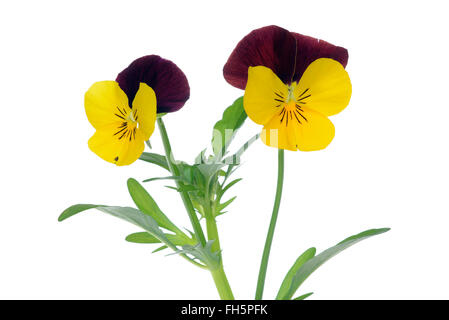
124	111
121	128
292	84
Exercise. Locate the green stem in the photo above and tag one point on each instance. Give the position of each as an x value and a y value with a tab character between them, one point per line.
222	284
274	216
219	275
175	172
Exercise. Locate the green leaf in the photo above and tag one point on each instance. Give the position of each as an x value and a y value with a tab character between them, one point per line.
131	215
137	218
225	129
311	265
156	159
146	238
208	170
187	173
304	296
77	208
223	205
200	158
184	188
164	178
141	237
204	254
159	249
229	185
286	284
147	205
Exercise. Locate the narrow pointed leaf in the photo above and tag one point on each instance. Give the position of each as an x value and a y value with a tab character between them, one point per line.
131	215
146	238
164	178
311	265
225	129
286	284
223	205
228	186
304	296
204	254
159	249
147	205
137	218
141	237
77	208
156	159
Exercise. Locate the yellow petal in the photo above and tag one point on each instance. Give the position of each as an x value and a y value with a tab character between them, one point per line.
314	134
298	128
144	110
121	149
278	134
105	104
325	87
264	94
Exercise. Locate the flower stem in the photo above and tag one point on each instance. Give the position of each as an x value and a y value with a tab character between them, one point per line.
274	216
218	274
222	284
175	172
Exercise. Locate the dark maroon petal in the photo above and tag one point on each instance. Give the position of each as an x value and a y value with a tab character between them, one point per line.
163	76
271	46
309	49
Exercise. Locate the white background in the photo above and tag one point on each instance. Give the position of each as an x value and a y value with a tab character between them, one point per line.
387	166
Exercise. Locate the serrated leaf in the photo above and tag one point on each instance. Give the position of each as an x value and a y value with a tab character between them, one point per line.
304	296
288	279
223	205
225	129
229	185
147	205
156	159
311	265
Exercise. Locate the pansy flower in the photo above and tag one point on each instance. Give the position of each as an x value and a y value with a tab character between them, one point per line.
124	112
292	84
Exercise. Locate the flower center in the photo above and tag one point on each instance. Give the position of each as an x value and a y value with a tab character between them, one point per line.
128	125
292	106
